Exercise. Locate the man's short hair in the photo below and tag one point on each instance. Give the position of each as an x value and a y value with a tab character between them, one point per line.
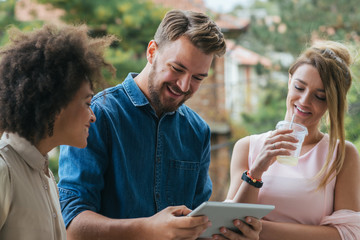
197	27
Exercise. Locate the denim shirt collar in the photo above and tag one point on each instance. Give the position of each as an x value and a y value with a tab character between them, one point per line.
137	97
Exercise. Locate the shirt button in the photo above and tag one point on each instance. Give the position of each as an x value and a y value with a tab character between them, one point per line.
157	160
46	187
54	215
157	196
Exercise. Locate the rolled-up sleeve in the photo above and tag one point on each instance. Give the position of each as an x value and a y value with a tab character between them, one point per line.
347	222
81	171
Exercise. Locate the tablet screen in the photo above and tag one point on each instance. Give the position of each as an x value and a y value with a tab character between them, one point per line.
222	214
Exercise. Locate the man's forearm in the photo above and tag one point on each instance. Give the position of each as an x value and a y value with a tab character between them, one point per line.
89	225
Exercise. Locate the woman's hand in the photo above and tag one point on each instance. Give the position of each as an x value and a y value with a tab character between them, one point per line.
279	142
248	231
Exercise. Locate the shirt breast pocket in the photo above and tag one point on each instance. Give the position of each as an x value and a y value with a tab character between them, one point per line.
181	182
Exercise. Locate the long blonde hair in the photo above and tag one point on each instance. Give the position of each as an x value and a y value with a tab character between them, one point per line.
332	60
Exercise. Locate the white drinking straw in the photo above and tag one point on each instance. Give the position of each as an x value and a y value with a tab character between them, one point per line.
292	120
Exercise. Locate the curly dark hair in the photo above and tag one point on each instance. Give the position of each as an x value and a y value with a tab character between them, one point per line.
40	73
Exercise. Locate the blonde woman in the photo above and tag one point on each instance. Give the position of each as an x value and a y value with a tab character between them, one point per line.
320	197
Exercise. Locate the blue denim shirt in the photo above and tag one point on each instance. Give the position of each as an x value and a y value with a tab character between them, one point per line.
135	164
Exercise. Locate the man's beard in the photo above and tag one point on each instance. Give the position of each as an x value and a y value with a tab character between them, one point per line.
155	91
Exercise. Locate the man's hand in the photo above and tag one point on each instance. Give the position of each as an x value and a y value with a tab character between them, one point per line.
249	230
172	223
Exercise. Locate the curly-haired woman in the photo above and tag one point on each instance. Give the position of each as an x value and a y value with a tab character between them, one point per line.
46	84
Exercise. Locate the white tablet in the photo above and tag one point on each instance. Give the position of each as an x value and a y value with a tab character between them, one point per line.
222	214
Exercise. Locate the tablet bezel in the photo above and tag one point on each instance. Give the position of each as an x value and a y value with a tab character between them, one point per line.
222	214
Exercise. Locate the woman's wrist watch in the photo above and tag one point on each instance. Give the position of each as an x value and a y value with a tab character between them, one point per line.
250	180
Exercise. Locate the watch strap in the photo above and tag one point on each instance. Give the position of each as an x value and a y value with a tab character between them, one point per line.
252	181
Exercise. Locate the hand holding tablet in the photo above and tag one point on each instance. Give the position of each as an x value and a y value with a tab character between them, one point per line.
222	214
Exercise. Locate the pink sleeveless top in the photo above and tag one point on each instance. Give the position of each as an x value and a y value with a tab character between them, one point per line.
293	189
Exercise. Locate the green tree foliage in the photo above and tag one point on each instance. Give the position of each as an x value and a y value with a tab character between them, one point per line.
352	121
7	17
292	24
7	14
134	22
271	108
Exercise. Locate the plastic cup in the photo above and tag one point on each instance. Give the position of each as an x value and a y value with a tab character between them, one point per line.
299	132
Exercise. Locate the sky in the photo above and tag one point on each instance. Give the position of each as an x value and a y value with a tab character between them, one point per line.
225	5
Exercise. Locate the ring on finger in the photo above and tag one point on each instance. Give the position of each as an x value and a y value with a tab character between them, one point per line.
274	146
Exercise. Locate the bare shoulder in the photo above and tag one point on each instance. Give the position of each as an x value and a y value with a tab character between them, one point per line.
242	143
351	166
352	160
352	157
347	191
350	146
240	154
